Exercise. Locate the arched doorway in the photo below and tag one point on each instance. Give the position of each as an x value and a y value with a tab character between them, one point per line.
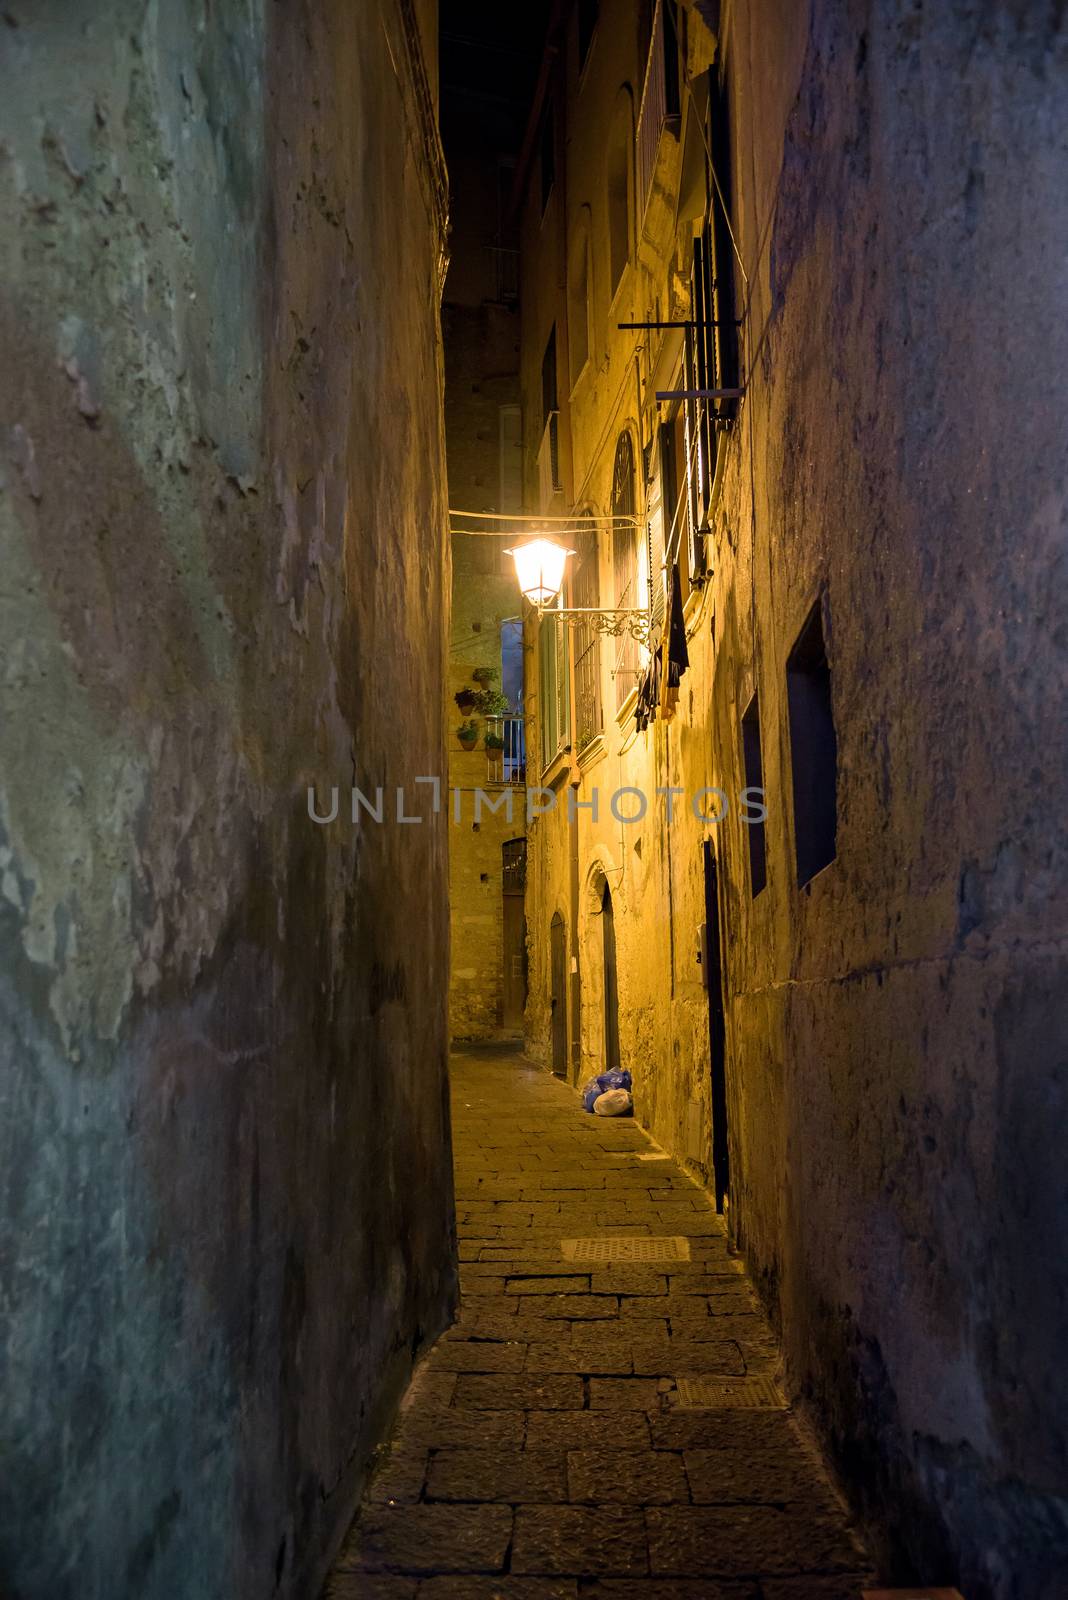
611	991
558	993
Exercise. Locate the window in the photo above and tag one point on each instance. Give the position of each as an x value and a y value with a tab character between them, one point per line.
506	243
660	101
549	450
512	664
721	204
587	22
673	494
510	459
625	563
619	187
589	722
813	749
555	708
547	143
712	342
578	298
548	377
656	550
753	762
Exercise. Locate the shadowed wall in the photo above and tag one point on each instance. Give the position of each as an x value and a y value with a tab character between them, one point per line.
223	1026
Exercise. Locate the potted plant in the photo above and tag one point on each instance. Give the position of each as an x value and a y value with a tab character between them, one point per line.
494	740
484	676
467	733
466	699
492	703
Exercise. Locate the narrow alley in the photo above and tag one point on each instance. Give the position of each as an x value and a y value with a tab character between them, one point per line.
533	843
603	1416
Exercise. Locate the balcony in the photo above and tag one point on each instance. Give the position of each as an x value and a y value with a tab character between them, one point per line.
661	106
507	763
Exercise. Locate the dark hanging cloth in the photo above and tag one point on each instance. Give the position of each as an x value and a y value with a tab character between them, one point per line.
648	693
676	654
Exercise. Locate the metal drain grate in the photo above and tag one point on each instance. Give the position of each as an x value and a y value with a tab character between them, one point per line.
612	1249
729	1394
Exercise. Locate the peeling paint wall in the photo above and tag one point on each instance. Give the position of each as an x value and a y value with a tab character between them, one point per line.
223	1026
896	1028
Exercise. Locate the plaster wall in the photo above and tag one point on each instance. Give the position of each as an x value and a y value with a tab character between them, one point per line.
896	1028
223	1026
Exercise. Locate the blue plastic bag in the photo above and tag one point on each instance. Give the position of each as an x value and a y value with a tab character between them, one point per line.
607	1080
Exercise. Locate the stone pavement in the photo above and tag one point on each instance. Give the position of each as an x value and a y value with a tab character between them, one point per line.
544	1451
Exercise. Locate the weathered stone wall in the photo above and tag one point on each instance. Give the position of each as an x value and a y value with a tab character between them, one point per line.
906	1012
896	1028
223	1026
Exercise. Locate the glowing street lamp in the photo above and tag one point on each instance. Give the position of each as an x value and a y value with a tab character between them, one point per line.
539	567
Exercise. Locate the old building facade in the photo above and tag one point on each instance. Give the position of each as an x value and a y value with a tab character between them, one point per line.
847	1014
223	1025
485	723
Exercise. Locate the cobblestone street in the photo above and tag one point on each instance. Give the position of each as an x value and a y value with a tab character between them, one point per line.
549	1446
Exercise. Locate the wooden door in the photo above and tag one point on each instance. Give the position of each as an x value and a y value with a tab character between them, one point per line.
712	958
558	993
513	881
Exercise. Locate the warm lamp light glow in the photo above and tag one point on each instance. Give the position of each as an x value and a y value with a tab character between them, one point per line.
539	566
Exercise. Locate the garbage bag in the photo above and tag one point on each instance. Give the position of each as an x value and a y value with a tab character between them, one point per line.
618	1079
613	1103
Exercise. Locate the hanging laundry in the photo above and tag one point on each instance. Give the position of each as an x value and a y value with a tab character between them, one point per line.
648	692
675	652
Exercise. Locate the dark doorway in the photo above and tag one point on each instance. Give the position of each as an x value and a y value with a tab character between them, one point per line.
712	962
514	883
611	991
558	993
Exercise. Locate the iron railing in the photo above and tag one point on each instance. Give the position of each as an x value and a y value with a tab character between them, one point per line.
507	762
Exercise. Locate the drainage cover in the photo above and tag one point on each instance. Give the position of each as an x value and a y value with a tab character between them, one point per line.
613	1249
730	1394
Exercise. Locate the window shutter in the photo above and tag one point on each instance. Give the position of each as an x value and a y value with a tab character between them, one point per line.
657	585
547	695
720	249
563	695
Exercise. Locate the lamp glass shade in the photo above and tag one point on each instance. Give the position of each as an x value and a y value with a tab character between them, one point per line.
539	567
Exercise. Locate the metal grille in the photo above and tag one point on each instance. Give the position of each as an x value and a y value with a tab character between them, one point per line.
729	1394
612	1249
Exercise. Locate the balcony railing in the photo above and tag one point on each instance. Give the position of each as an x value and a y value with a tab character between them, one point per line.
660	97
549	460
507	763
